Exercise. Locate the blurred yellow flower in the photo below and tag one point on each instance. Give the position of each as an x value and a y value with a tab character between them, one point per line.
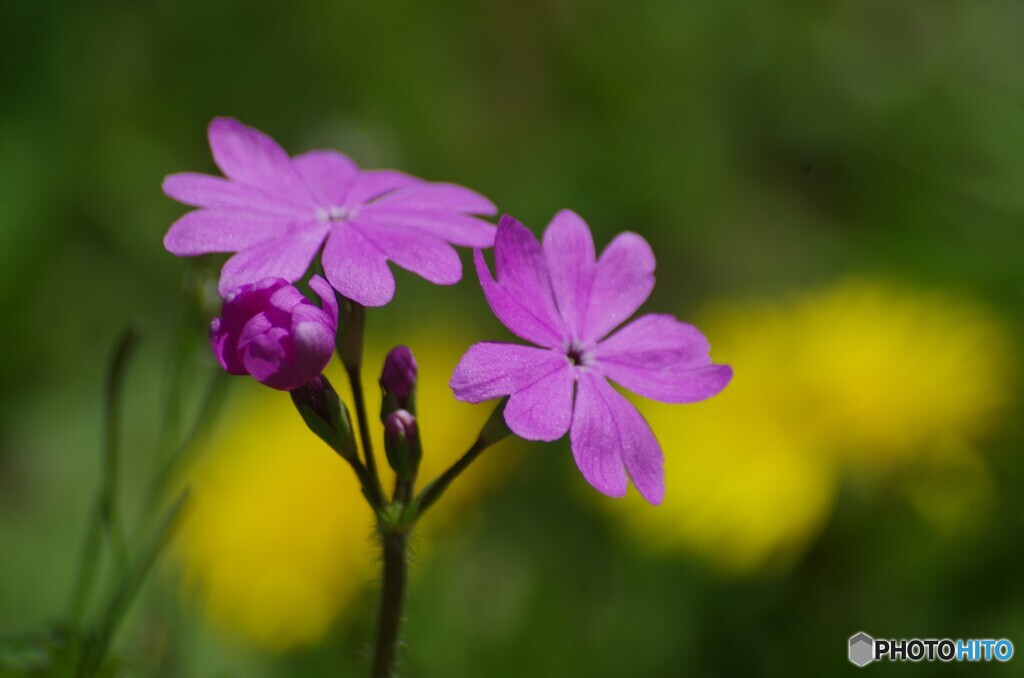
864	376
278	539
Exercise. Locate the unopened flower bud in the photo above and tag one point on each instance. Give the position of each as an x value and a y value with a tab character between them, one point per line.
272	332
326	415
402	444
398	382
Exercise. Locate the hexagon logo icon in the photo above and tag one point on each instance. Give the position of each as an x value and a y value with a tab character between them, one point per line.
862	649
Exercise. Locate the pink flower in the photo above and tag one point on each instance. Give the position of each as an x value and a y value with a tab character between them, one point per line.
566	301
271	331
276	212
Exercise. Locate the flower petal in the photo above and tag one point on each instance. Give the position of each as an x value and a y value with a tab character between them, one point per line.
225	348
624	280
284	302
266	357
313	341
425	255
518	317
287	256
662	358
371	184
252	158
521	296
609	433
458	229
569	254
655	341
223	230
674	385
491	370
242	304
594	439
328	299
327	174
357	268
543	409
204	190
438	197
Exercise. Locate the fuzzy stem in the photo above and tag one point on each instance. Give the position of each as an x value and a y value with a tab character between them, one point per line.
396	570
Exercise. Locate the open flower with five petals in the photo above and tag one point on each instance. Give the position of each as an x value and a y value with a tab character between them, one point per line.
276	212
565	300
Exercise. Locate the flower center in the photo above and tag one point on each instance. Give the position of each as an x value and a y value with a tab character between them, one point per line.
335	213
578	354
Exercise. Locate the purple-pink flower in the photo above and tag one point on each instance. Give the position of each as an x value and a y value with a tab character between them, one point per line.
566	301
271	331
276	212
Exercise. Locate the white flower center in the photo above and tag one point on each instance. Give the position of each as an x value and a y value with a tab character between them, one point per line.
578	354
335	213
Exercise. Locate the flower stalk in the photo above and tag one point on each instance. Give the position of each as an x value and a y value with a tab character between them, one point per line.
394	527
494	430
396	572
351	328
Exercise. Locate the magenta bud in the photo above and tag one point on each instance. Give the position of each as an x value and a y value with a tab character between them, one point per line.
400	425
402	443
271	331
398	378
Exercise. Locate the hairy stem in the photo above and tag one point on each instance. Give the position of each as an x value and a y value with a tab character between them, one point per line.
396	571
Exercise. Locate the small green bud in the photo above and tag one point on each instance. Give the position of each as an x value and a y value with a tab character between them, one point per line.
326	415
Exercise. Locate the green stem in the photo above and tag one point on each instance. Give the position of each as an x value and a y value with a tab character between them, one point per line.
493	431
432	492
356	381
105	517
351	330
371	490
97	646
396	571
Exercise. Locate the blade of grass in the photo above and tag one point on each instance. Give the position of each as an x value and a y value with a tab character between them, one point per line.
98	644
105	516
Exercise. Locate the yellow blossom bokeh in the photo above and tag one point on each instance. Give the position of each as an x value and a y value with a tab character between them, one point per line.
278	539
865	377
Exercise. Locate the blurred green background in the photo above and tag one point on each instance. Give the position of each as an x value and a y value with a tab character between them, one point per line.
768	151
